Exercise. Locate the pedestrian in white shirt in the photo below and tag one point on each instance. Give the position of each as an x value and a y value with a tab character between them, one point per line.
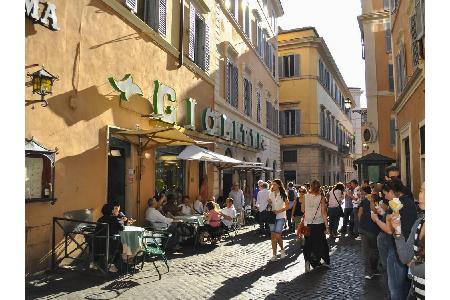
280	204
158	221
228	213
238	196
262	199
198	206
356	199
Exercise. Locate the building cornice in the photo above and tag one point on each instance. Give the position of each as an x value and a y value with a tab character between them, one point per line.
411	86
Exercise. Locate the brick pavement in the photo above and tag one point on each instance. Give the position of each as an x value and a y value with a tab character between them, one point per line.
237	270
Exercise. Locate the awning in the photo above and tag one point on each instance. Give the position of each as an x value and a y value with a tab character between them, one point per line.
193	152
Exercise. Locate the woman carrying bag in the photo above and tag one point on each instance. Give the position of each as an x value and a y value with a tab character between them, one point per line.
315	218
279	202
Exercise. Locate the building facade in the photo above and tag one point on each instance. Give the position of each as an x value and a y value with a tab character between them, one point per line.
379	130
316	128
408	49
358	114
121	64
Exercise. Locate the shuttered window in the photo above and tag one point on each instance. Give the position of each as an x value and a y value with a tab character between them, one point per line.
198	39
391	77
414	46
247	97
231	83
420	18
275	120
392	132
268	115
154	13
290	66
247	23
291	124
259	39
258	105
387	38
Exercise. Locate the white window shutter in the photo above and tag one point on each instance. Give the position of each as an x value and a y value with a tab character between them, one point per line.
191	31
132	5
162	16
296	65
207	37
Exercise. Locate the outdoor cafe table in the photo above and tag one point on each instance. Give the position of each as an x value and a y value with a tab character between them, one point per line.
195	221
131	238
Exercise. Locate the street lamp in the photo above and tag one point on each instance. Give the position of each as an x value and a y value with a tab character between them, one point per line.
42	82
348	103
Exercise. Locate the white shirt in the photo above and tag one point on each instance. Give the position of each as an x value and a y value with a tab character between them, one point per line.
312	205
262	199
231	212
277	203
198	206
156	218
335	198
356	194
185	209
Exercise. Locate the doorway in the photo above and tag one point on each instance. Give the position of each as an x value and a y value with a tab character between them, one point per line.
116	176
227	182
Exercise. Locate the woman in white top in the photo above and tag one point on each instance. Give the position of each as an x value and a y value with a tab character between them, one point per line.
315	217
336	196
280	203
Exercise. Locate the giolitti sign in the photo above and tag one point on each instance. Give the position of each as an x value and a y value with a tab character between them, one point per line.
47	18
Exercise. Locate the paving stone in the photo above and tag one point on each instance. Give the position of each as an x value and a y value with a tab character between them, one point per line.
237	270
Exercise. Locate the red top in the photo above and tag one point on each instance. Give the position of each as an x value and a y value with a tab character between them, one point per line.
214	220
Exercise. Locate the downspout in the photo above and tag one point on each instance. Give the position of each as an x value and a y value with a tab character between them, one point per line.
180	58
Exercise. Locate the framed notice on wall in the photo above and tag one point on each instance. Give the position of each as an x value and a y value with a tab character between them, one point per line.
34	167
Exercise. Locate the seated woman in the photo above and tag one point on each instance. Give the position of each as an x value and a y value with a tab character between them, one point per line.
115	226
213	217
120	215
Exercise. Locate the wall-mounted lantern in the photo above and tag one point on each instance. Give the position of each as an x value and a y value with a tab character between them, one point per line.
42	82
348	103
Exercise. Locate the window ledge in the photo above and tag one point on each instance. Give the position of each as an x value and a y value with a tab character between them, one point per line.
51	200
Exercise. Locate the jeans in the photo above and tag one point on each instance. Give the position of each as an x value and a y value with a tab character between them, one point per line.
354	219
370	252
383	247
398	281
334	214
347	219
278	226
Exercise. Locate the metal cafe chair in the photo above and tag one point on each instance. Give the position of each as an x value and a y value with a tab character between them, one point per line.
155	244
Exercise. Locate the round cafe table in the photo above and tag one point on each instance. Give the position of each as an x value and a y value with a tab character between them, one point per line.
131	238
195	221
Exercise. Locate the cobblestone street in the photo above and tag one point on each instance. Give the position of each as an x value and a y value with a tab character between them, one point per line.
227	271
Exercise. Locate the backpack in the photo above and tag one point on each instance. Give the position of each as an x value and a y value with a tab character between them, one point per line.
291	195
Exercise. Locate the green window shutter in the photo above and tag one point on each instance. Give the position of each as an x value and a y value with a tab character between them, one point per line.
191	31
162	17
207	48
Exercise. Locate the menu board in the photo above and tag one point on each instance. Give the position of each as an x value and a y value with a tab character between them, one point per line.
33	177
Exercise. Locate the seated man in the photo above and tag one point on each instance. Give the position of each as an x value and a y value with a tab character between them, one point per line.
228	213
186	207
198	206
170	209
154	216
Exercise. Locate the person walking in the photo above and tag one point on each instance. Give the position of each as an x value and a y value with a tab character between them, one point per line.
356	199
315	216
369	232
336	196
279	201
348	210
238	199
261	204
292	197
298	208
397	271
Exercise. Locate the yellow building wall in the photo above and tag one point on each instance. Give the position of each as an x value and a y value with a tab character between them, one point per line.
93	43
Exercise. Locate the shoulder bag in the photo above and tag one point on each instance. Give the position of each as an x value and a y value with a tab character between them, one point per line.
267	216
341	211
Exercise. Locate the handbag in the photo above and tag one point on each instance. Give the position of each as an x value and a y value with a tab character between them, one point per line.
267	216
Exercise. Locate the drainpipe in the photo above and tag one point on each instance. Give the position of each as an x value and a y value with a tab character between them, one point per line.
180	58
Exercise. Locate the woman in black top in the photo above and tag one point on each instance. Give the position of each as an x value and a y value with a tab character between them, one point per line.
297	213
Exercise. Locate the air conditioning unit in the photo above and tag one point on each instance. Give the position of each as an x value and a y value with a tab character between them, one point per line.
369	134
132	5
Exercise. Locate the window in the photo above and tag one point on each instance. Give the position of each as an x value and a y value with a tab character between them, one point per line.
259	39
420	21
290	156
386	5
391	77
290	176
414	45
233	8
231	83
247	97
39	172
258	105
392	132
387	37
290	122
275	120
198	39
247	22
422	140
269	109
289	66
401	74
153	13
322	123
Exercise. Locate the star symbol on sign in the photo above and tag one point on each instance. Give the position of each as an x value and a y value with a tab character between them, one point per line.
126	87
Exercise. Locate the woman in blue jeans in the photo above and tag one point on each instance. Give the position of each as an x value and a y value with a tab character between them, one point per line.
279	201
397	272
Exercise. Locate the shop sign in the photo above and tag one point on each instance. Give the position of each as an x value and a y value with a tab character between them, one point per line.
49	14
213	122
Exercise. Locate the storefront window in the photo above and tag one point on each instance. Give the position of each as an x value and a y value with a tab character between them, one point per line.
170	171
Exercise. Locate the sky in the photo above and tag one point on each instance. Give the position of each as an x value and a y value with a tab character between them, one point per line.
335	21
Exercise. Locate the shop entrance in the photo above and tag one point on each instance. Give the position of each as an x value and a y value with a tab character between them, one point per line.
227	183
118	150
